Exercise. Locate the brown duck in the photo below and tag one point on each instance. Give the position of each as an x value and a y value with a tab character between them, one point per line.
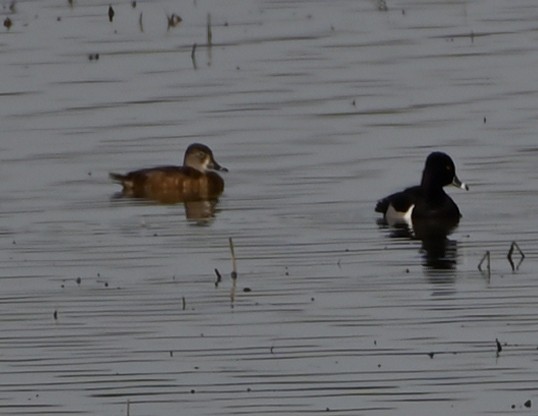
194	181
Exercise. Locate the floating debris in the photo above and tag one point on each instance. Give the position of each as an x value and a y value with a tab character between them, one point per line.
513	246
183	303
8	23
528	404
55	315
111	14
93	57
140	24
382	6
499	346
173	20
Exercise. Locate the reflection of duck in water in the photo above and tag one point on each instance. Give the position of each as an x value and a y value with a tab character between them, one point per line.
426	212
201	211
439	252
194	181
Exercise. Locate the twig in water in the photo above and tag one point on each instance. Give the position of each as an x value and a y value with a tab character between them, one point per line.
209	32
140	24
209	40
219	278
110	14
128	407
488	264
234	270
513	246
193	56
183	303
499	346
234	264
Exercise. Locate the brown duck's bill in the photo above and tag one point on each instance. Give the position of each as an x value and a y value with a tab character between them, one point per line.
215	166
459	184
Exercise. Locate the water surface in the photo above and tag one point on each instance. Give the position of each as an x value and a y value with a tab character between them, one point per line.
318	109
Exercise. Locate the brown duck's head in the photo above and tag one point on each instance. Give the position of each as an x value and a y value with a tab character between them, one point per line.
200	157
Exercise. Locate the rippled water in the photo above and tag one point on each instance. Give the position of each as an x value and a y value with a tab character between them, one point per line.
109	306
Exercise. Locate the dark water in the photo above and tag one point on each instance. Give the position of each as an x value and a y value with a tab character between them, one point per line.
318	109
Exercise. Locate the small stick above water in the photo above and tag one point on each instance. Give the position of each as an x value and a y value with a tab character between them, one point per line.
209	32
193	56
513	246
234	270
234	265
219	278
488	264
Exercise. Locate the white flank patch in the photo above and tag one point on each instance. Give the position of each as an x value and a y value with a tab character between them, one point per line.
398	217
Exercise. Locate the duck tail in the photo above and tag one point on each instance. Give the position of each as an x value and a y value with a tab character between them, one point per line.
117	177
382	206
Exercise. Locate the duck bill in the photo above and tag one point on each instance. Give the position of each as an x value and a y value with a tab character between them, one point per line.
215	166
459	184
